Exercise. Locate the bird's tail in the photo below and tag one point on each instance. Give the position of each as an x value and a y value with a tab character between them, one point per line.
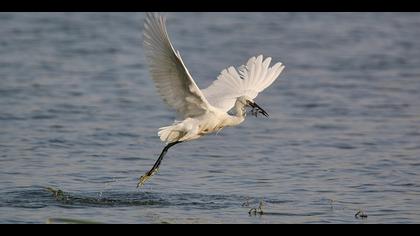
171	133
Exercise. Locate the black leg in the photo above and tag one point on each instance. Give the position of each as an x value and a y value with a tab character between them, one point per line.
155	167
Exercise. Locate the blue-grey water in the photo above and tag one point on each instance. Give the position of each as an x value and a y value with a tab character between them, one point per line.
79	114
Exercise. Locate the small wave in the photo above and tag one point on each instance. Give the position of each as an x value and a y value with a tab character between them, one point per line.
39	197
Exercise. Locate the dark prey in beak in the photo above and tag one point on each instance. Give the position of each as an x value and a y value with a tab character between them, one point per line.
257	109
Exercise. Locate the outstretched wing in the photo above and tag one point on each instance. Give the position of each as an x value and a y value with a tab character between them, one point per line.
172	79
249	79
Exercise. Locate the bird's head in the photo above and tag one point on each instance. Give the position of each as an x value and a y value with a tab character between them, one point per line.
246	101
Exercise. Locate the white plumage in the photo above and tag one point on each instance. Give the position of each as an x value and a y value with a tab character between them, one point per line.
251	80
202	111
172	79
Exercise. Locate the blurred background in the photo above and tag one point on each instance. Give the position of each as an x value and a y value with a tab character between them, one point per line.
79	113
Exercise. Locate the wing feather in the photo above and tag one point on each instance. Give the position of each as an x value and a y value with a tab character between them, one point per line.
249	80
169	73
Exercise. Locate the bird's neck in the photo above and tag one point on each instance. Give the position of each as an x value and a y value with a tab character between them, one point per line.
239	108
239	115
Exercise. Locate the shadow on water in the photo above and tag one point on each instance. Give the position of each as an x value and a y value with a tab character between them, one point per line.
113	199
39	197
42	197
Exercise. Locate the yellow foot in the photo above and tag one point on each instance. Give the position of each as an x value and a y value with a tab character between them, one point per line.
142	180
145	177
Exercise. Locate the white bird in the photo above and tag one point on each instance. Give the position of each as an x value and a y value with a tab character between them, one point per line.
202	111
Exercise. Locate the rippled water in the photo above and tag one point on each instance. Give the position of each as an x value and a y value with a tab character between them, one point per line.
79	114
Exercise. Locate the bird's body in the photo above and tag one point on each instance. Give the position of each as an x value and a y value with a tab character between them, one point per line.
213	120
201	111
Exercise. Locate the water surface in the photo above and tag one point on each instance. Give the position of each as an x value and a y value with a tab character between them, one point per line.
79	114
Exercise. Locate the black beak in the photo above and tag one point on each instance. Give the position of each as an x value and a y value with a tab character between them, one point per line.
258	108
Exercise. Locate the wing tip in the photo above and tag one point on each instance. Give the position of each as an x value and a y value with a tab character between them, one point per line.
154	18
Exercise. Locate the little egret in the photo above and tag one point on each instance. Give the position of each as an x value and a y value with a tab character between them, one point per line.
201	111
